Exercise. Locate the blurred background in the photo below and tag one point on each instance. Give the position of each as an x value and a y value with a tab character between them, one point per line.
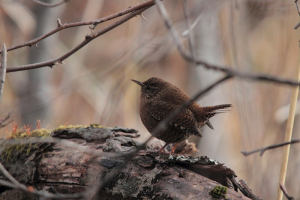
94	86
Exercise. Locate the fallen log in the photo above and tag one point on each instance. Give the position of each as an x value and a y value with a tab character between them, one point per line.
93	156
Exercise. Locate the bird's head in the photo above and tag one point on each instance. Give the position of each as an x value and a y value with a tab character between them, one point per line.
151	88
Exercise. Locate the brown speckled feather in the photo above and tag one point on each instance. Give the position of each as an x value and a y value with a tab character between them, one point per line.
179	128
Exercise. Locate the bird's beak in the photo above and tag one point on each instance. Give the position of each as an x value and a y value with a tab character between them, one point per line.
138	82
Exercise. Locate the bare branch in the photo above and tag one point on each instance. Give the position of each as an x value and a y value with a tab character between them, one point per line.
262	150
286	194
49	4
188	57
75	24
87	39
3	70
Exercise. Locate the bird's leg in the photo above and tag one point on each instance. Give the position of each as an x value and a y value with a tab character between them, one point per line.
172	151
162	149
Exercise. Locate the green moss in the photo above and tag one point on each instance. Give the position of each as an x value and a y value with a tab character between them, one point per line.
96	126
18	134
69	127
40	133
78	126
22	148
219	192
13	150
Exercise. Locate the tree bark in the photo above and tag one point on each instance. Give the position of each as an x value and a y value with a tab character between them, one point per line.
57	168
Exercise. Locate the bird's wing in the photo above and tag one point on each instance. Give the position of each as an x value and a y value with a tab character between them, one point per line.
184	122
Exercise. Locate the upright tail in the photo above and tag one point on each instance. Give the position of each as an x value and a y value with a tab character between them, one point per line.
211	111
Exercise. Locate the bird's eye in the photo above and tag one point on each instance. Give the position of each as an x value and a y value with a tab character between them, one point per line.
148	88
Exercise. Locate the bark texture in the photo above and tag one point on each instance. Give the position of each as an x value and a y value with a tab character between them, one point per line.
149	175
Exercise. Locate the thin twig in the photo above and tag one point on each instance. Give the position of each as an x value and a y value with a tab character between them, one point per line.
146	4
2	121
187	56
87	39
75	24
191	38
297	25
286	194
3	70
298	10
262	150
297	6
192	26
49	4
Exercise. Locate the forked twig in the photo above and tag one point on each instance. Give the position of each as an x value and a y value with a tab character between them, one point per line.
262	150
88	38
286	194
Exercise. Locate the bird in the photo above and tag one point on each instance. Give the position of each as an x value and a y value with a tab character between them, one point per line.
160	98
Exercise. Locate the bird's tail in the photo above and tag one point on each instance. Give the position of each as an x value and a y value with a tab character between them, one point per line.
211	111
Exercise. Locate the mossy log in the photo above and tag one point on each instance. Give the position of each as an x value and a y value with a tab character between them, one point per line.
57	168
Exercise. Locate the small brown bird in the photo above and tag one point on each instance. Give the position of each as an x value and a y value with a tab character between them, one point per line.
160	98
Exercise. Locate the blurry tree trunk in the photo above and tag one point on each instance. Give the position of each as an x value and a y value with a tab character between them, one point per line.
36	92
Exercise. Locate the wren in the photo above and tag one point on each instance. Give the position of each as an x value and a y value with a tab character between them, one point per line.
160	98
